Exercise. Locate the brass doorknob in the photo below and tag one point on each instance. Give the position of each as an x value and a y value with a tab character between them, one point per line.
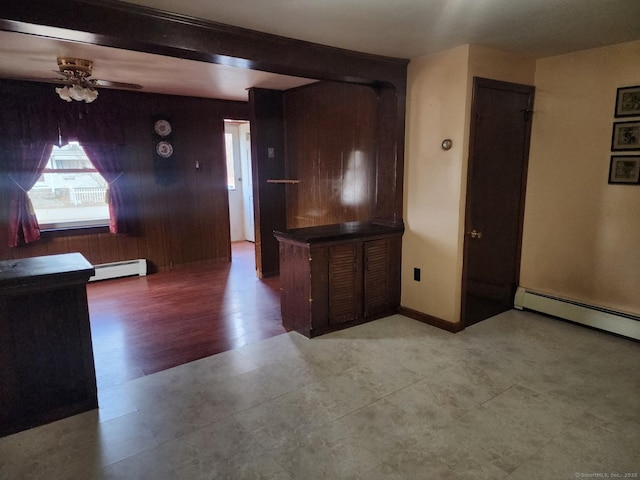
475	234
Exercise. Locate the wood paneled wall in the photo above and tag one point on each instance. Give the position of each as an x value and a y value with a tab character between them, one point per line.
153	31
331	149
186	223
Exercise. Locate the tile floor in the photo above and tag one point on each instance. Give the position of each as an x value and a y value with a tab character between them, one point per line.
519	396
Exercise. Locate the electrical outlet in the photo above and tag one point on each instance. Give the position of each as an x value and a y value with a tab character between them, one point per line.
271	152
416	274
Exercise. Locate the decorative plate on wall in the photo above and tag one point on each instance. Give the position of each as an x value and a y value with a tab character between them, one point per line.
164	164
164	149
162	127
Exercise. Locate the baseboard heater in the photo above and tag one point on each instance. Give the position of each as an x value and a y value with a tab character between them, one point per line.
596	317
127	268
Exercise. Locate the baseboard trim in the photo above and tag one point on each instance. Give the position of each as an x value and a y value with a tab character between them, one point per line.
593	316
431	320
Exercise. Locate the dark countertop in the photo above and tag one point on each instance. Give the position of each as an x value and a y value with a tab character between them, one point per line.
27	272
339	231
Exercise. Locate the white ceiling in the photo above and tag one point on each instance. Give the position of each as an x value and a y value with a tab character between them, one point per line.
29	57
400	28
412	28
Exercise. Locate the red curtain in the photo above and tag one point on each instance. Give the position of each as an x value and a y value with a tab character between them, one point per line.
26	162
108	160
32	119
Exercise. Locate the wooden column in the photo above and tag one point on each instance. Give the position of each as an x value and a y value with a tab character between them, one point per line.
267	157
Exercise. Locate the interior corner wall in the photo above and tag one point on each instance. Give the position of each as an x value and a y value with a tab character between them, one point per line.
497	65
439	106
436	109
330	133
581	235
268	163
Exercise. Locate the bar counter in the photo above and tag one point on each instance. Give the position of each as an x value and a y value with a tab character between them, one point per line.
46	356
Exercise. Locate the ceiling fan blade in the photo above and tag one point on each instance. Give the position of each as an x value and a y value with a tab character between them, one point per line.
110	84
58	81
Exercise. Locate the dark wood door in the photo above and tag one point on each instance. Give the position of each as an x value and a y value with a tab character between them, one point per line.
498	156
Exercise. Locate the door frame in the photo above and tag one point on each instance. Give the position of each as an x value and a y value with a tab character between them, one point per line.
243	175
479	82
244	129
235	209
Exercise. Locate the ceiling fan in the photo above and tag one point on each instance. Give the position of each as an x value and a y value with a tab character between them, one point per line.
78	84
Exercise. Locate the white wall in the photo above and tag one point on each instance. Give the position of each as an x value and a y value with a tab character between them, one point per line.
438	107
581	235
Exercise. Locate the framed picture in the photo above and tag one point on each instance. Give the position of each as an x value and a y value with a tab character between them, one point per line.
628	102
626	136
624	170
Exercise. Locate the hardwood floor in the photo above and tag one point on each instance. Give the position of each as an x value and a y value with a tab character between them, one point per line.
141	325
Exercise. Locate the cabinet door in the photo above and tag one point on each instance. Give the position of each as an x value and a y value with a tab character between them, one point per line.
376	277
345	283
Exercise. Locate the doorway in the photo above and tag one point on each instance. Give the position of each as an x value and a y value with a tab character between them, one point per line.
496	181
237	135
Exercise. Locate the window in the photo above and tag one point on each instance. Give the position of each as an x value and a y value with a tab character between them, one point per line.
231	176
70	193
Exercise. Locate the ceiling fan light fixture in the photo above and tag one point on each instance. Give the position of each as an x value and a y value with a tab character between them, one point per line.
78	84
77	72
77	93
90	95
63	92
76	67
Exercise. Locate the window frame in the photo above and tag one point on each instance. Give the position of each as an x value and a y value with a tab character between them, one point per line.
71	228
230	153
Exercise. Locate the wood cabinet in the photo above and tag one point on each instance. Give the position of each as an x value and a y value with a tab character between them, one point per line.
336	276
46	357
